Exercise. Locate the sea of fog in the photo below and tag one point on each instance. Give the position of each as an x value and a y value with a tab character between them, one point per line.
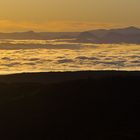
63	55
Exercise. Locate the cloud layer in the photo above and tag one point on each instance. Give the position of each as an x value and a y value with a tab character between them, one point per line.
68	57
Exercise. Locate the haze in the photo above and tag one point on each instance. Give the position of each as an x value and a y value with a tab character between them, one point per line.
67	15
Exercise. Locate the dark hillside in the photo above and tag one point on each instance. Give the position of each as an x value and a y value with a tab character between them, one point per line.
105	108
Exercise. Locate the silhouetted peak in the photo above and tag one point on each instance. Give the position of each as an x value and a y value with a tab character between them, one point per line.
113	34
132	28
86	33
129	34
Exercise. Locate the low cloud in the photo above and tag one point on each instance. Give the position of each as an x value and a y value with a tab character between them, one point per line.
87	58
61	61
12	64
71	59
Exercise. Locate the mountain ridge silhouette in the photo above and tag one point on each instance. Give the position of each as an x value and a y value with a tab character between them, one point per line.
129	34
119	35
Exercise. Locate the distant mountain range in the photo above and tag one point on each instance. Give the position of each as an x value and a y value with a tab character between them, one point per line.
123	35
39	35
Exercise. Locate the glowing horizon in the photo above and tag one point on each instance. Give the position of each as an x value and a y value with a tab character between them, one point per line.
62	15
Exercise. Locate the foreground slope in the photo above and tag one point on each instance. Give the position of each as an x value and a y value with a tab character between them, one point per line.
94	105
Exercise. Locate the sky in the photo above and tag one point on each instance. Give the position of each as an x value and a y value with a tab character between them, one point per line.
67	15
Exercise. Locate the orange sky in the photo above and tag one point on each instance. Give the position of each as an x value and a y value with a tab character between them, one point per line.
67	15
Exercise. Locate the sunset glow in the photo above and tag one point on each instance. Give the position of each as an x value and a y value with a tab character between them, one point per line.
62	15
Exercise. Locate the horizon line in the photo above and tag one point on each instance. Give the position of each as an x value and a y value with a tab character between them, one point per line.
33	31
